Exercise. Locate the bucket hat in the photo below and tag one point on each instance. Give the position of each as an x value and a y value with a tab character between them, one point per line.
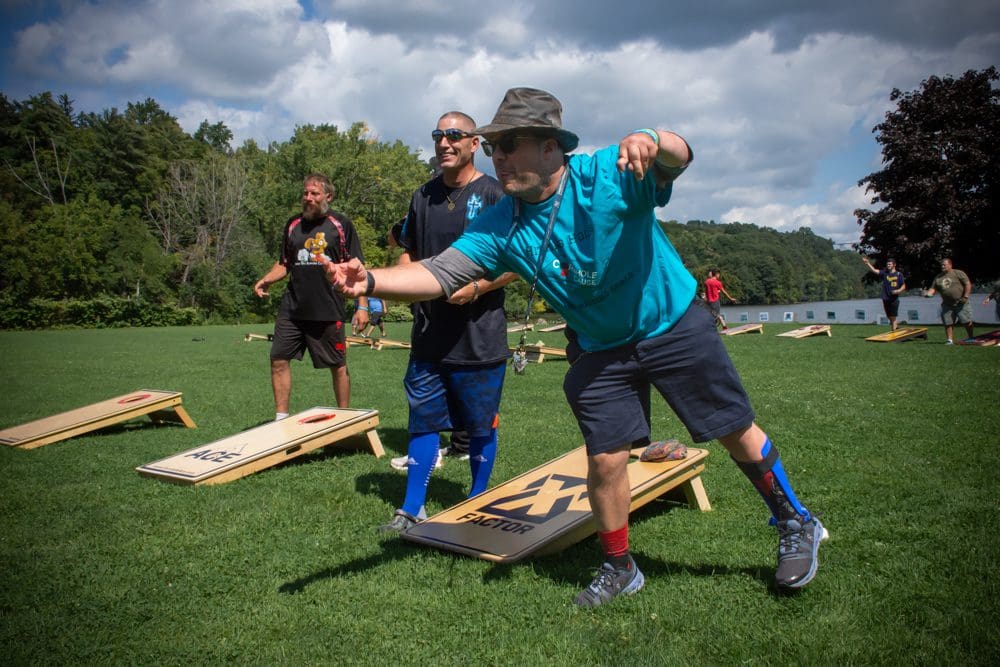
530	109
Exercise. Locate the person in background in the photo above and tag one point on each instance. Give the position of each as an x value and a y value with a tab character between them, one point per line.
954	287
312	314
713	287
893	284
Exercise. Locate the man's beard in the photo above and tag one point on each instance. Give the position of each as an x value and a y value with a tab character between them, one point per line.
313	212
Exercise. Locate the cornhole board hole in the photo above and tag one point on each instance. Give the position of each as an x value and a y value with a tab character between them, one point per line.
252	337
536	353
264	446
519	327
161	406
805	332
982	340
906	333
554	327
385	342
360	340
742	329
546	510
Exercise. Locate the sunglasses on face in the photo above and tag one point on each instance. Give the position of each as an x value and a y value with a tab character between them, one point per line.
451	134
508	143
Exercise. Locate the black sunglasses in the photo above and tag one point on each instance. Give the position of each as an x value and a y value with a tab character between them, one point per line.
508	143
451	134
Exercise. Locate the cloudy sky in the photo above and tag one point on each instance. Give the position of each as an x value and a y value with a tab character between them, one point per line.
777	97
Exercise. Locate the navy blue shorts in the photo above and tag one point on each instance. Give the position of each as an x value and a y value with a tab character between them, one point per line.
447	397
688	365
325	341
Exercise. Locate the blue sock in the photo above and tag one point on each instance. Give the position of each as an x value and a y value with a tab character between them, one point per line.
423	451
770	480
482	454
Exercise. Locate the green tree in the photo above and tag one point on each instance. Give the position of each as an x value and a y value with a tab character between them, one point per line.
939	184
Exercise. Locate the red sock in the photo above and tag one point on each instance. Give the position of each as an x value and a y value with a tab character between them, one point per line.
615	542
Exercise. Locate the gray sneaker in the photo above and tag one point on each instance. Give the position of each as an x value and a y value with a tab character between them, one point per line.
611	582
798	548
400	521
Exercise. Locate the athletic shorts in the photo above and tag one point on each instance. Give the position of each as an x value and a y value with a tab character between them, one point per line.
956	313
891	307
375	319
447	397
325	341
715	307
688	365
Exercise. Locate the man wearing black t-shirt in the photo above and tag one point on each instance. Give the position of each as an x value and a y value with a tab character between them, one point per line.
459	345
312	313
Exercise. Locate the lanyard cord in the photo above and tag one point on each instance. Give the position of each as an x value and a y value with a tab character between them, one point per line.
556	202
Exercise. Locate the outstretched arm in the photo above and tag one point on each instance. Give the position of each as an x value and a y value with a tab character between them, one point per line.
440	275
666	153
870	267
403	282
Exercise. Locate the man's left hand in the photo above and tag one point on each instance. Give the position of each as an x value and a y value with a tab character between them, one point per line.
637	152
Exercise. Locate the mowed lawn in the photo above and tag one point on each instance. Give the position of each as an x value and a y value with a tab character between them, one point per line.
894	445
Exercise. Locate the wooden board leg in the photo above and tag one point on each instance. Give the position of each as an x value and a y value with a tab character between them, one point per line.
694	491
175	414
375	443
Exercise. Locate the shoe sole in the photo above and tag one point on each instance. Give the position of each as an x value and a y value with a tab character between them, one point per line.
824	534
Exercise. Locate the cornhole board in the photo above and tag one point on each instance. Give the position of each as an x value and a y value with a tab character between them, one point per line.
906	333
982	340
264	446
536	353
386	342
554	327
359	340
161	406
546	510
519	327
742	329
252	336
805	332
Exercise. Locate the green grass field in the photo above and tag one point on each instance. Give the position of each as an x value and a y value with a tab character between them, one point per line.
895	445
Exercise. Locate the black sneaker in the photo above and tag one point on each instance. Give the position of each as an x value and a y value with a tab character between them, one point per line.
611	582
798	548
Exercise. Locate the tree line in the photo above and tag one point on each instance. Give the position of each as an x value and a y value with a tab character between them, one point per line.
122	218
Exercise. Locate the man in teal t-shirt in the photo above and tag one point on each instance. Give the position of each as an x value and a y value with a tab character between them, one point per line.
584	225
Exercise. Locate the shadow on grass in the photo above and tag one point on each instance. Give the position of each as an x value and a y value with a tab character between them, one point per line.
392	549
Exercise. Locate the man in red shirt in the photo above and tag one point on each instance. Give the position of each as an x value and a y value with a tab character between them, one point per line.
713	286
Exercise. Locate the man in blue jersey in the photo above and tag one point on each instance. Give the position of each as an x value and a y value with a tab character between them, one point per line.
893	284
609	269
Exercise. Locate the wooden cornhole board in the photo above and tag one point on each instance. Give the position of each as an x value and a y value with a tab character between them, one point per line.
546	510
161	406
536	353
805	332
385	342
252	337
905	333
264	446
983	340
742	329
519	327
360	340
554	327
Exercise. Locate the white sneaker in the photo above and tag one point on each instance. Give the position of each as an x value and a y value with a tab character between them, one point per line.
403	462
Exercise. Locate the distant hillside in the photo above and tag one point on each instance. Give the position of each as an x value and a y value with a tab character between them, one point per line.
764	266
